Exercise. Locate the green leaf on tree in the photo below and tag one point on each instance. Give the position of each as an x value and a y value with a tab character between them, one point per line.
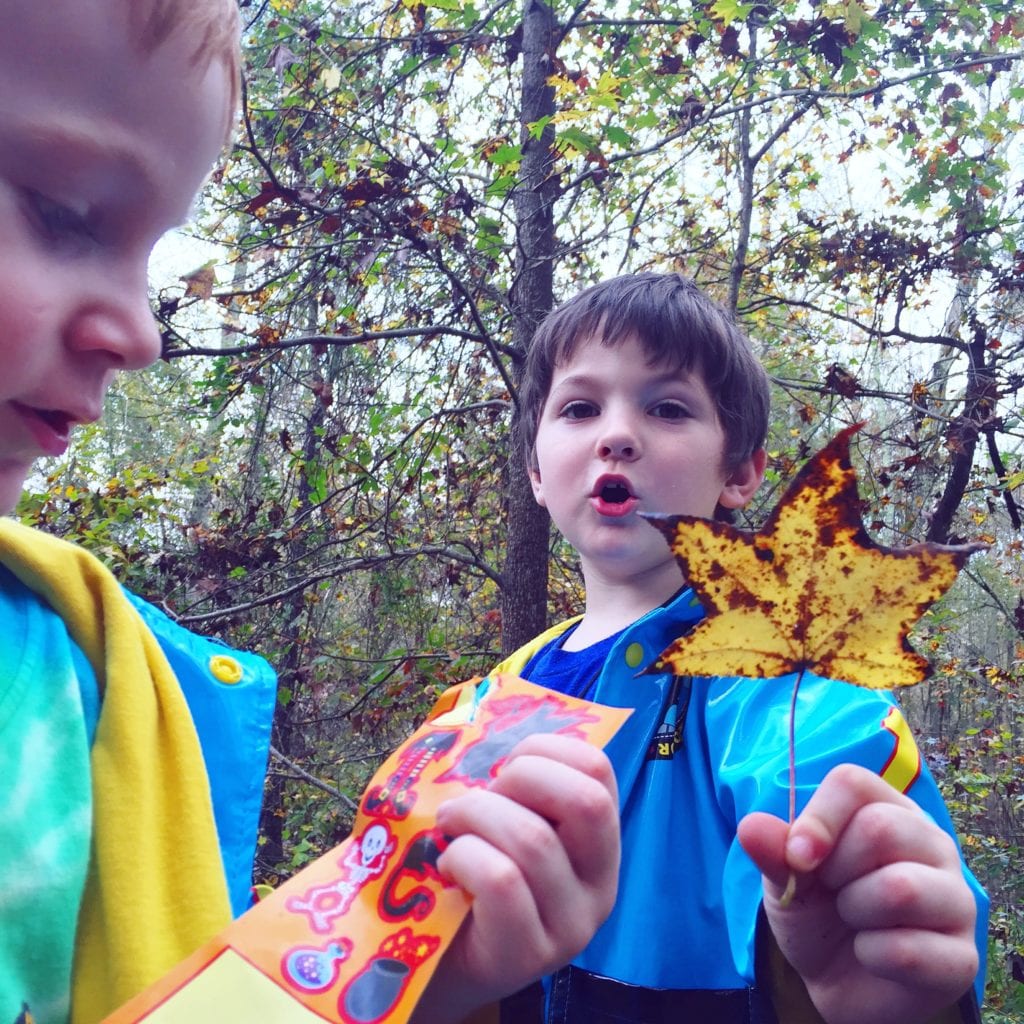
730	10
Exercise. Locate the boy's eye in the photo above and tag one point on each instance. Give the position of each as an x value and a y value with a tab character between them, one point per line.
578	410
670	410
56	221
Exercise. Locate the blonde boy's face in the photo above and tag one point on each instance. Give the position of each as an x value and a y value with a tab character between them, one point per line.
102	149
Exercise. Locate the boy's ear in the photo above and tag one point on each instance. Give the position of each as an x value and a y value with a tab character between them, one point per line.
744	480
538	491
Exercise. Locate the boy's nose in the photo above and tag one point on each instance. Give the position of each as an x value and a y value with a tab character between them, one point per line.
619	449
619	441
120	325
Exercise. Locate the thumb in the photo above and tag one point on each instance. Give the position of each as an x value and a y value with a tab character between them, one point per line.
764	837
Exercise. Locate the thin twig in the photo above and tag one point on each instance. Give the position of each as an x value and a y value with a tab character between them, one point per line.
792	747
790	890
313	780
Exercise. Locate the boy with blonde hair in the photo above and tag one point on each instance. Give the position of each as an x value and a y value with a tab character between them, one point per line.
112	113
130	788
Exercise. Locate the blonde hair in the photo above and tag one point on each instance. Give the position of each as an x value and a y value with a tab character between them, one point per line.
215	25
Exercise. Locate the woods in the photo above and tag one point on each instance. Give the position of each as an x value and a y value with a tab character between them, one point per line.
324	466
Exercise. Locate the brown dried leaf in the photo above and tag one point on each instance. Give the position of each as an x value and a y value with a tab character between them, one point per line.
200	282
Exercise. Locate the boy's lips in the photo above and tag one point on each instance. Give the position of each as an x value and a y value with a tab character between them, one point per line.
613	496
50	428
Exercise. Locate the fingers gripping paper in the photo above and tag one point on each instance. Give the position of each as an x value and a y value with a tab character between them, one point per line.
355	936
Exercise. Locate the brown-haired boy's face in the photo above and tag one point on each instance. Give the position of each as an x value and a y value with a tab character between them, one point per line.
102	149
619	435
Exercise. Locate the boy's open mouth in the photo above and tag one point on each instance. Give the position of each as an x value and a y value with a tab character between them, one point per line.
55	419
615	493
612	497
51	428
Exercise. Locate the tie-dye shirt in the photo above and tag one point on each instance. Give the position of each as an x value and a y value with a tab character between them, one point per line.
48	712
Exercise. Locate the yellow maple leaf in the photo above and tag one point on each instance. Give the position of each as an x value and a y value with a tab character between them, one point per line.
810	590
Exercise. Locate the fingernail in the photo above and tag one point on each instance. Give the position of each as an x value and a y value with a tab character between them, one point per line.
800	853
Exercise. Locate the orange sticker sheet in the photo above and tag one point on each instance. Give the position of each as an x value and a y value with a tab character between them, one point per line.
355	936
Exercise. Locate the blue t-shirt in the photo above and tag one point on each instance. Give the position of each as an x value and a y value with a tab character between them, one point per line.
573	673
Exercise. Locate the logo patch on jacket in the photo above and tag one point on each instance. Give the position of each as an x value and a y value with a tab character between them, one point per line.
669	737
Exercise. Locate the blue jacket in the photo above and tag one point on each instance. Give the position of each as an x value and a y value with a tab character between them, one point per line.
697	756
231	695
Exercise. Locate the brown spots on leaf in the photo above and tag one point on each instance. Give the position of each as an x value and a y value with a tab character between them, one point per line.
811	589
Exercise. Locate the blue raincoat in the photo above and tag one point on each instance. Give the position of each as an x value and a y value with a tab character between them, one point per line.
231	695
686	939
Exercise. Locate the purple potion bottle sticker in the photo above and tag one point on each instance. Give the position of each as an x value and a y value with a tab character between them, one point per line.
315	969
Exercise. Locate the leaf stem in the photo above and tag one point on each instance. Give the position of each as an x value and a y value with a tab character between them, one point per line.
792	747
790	890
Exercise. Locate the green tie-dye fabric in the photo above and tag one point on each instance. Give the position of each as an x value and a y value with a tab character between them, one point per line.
46	805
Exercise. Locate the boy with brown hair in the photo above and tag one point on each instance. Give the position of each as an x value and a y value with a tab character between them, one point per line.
130	805
640	394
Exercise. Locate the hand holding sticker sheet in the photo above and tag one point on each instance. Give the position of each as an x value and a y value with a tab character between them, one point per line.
355	936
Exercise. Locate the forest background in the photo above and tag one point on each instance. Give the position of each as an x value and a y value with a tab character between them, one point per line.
322	468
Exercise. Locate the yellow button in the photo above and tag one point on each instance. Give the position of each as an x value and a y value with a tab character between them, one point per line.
634	655
226	669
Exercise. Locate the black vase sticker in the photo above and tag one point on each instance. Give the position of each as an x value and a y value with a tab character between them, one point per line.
371	994
375	991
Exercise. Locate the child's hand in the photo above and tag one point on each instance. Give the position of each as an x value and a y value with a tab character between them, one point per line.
882	925
539	852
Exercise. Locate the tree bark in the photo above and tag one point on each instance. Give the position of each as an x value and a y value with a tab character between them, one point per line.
980	394
962	440
286	736
525	574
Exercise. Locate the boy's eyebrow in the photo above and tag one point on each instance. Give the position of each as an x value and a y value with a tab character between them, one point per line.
572	381
684	377
79	146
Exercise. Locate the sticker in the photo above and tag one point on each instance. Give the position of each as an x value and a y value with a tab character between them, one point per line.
419	861
365	858
323	946
375	990
312	969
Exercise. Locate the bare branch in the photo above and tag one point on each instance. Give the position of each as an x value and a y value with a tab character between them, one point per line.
301	772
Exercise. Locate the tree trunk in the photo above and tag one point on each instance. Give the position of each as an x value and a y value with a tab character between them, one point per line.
962	440
525	575
287	737
746	163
